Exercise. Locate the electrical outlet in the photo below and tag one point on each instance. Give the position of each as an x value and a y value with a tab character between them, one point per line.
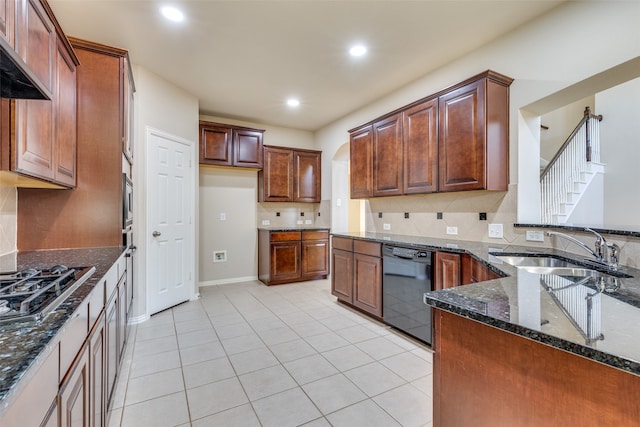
535	236
299	222
452	230
308	221
220	256
266	222
223	216
495	231
386	226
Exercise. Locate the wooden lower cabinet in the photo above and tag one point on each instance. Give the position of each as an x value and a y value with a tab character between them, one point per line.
74	393
447	270
484	376
357	274
111	349
474	271
453	269
342	277
292	255
51	419
367	283
97	398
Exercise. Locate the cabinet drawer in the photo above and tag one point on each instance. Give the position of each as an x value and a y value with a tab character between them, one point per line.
284	236
343	243
367	248
315	235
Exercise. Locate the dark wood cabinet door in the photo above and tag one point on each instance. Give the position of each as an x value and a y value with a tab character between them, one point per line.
285	260
307	173
367	283
387	157
74	393
65	114
472	270
462	156
111	348
342	276
420	148
34	140
36	40
447	266
361	163
215	145
97	408
7	20
315	258
277	175
247	146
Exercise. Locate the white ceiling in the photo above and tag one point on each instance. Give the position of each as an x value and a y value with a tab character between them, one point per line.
243	59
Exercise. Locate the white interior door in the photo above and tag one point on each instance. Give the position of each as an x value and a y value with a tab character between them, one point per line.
170	208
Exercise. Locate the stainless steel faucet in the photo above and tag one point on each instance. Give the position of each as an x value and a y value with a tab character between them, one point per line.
604	252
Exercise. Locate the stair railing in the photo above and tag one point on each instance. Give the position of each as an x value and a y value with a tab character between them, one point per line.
560	175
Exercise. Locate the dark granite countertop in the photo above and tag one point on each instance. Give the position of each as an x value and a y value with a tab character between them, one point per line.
557	311
24	344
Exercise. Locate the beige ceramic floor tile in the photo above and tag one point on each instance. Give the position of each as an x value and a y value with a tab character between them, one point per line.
170	410
363	414
153	386
267	381
215	397
276	410
333	393
241	416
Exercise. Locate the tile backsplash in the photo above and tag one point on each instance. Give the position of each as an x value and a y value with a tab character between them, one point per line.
286	215
8	227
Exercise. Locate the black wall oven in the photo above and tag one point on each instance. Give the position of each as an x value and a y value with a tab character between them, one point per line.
407	275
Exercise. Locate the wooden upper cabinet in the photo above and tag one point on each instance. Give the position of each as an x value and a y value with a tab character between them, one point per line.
453	140
361	162
35	40
226	145
7	20
215	145
421	148
276	178
247	148
290	175
39	136
128	111
462	130
307	173
474	143
65	124
387	156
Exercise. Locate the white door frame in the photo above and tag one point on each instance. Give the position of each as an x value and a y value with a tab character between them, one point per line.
145	238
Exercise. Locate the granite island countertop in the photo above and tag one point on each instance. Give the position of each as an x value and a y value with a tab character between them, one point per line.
24	344
553	310
298	228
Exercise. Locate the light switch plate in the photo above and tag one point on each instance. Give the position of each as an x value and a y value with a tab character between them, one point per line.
308	221
223	216
299	222
495	231
266	222
386	226
452	230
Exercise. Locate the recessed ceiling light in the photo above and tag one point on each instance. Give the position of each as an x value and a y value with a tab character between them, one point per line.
292	102
358	50
172	14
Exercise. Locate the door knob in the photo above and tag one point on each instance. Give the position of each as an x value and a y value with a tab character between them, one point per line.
156	233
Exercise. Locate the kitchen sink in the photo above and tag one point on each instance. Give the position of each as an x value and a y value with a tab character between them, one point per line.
545	264
535	261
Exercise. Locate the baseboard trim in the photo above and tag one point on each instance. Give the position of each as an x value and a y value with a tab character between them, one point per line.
227	281
139	319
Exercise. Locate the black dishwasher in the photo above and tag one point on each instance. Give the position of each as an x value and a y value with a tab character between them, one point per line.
407	275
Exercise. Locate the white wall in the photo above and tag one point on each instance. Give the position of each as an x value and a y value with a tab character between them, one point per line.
545	56
620	152
161	105
232	192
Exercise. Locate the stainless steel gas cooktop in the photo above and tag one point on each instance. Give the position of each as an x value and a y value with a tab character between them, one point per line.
32	294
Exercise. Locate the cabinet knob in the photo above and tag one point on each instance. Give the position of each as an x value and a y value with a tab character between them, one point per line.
156	234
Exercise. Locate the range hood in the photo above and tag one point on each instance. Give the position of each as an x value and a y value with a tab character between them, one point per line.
16	79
